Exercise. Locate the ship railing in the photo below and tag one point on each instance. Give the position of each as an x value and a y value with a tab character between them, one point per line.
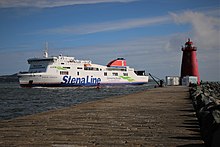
23	72
116	68
29	72
83	61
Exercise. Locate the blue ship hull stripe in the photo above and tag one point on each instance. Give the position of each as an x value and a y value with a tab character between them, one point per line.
78	85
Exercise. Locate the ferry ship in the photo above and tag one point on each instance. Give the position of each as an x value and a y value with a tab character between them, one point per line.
64	71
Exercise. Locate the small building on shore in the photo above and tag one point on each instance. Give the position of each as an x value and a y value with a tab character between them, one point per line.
187	80
172	80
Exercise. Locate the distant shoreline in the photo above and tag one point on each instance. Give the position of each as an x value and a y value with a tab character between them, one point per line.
9	78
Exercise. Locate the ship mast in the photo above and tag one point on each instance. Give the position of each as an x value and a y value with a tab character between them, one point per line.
46	50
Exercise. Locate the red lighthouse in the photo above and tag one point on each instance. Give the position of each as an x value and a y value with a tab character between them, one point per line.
189	61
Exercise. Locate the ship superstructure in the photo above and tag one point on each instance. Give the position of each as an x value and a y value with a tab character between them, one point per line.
64	71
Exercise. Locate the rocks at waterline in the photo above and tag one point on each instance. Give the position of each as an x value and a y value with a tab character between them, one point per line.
206	101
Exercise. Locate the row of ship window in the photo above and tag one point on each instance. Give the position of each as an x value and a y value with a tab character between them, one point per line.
105	73
85	68
99	69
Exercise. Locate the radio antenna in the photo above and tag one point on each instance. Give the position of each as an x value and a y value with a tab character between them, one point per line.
46	50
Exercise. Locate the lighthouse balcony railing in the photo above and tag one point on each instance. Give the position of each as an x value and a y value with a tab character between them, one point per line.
189	48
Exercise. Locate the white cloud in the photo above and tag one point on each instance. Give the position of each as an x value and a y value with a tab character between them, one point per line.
109	26
159	52
146	53
159	55
150	54
52	3
205	33
205	28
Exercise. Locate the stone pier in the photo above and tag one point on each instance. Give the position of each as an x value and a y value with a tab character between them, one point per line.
161	117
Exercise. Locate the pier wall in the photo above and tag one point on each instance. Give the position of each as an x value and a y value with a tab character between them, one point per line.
206	101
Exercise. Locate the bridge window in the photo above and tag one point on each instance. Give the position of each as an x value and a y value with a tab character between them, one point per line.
125	74
66	67
64	72
91	68
115	74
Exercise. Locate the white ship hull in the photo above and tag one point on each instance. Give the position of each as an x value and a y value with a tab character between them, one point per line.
65	71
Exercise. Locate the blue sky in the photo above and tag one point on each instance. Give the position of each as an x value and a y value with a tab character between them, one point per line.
148	33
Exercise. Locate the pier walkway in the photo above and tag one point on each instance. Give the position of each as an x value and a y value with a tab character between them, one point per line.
161	117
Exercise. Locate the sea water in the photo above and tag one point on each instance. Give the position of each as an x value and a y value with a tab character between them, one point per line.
16	101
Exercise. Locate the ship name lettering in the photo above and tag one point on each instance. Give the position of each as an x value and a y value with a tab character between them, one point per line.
78	80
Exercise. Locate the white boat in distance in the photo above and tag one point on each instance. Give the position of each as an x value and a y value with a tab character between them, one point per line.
64	71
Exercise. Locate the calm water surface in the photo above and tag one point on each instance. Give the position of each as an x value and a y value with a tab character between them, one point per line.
16	101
